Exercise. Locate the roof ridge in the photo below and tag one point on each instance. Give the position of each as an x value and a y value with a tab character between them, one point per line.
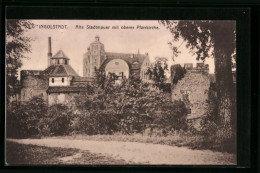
63	65
125	53
55	70
69	66
61	53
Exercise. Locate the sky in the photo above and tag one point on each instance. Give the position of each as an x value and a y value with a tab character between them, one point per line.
74	41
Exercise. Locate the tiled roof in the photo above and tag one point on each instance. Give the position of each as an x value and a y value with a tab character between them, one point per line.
82	79
133	60
62	89
60	54
61	70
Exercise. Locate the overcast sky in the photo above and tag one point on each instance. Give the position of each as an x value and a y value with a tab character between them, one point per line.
74	42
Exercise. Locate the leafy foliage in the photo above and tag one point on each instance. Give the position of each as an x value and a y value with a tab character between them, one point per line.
158	74
57	121
128	108
207	38
23	118
17	44
34	117
202	35
178	73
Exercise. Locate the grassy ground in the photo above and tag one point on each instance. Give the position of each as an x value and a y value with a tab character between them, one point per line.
19	154
193	142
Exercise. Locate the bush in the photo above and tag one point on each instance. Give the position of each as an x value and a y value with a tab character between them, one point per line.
172	117
100	122
34	118
22	119
129	108
57	121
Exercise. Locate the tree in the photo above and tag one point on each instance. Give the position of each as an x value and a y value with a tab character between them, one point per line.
177	73
23	118
158	74
217	39
17	44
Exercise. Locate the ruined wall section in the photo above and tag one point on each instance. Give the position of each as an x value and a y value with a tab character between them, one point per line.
193	89
63	98
33	83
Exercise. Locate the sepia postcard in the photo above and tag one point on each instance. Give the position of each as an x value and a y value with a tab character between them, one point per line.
121	92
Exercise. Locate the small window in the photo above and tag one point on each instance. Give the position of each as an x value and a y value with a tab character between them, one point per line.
65	61
62	80
52	80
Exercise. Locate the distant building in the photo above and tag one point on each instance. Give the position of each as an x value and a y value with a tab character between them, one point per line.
59	83
121	64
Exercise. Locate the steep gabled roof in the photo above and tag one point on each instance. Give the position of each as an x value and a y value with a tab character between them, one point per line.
60	54
61	70
82	79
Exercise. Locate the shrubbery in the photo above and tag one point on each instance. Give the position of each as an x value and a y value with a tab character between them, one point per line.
57	121
129	108
132	107
35	118
22	119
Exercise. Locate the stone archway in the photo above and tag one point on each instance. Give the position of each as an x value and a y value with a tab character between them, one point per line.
119	67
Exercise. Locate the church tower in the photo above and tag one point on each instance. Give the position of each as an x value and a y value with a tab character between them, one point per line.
93	58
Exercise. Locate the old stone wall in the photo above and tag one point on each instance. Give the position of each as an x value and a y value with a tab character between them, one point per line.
62	98
193	89
33	83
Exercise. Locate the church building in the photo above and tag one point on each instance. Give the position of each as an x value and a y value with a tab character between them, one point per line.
121	64
59	83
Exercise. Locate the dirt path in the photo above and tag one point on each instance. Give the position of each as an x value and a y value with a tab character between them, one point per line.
143	153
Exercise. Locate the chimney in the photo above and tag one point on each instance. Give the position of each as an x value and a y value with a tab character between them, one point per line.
97	38
49	51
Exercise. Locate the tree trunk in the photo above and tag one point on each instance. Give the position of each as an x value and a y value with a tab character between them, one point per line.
224	87
224	82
